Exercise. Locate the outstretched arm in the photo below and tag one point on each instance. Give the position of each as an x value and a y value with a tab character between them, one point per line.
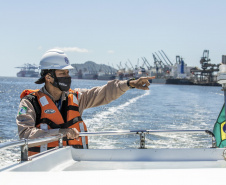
111	91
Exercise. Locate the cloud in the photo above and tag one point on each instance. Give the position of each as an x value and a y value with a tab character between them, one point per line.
111	51
73	49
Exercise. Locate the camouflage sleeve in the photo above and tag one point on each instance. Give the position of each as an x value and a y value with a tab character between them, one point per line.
25	120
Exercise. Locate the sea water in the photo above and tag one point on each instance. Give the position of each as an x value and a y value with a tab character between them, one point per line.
163	107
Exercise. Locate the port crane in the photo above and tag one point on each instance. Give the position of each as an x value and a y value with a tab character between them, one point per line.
205	76
126	66
158	65
167	58
146	63
118	66
161	64
129	71
164	59
205	60
131	64
165	67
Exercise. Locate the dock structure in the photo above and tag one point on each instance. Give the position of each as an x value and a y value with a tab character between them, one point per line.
165	71
208	74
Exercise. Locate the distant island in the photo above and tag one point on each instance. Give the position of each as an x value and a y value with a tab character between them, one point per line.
91	70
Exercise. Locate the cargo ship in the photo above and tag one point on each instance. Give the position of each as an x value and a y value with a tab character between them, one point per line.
28	70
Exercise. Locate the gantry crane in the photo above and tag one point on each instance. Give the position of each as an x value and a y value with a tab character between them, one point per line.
167	57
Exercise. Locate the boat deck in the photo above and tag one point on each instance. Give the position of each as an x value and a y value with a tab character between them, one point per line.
70	159
100	165
123	166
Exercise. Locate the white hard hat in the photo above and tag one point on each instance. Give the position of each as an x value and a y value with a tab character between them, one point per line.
55	59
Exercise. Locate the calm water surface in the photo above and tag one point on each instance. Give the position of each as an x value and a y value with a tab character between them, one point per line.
162	107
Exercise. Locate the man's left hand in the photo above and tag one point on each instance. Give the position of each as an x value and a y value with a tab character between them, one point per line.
141	83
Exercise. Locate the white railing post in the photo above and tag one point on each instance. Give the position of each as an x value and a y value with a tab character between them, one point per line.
60	141
142	140
24	151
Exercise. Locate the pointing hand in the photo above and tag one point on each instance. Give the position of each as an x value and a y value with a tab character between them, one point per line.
141	83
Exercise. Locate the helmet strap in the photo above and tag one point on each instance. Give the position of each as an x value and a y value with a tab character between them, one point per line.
62	83
55	82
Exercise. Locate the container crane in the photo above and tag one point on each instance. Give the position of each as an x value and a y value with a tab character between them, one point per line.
131	64
160	61
165	66
129	72
157	65
205	60
121	66
156	62
126	66
146	63
167	57
164	58
206	75
142	68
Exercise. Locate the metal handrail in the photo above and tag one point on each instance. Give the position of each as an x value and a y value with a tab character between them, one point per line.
143	132
26	143
29	141
127	132
11	144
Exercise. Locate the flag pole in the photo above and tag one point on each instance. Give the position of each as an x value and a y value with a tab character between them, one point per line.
224	101
221	78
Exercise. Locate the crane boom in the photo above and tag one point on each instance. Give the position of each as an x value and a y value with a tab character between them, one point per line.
160	61
167	57
131	64
148	63
145	63
157	63
164	58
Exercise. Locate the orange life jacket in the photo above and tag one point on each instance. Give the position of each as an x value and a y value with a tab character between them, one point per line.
51	116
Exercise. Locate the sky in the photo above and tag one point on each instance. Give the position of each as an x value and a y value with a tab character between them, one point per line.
111	31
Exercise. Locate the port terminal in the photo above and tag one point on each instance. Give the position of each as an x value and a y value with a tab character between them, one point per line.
221	76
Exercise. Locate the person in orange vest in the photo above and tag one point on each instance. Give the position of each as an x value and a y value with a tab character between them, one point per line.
56	108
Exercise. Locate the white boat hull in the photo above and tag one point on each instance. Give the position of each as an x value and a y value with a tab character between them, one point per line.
123	166
70	159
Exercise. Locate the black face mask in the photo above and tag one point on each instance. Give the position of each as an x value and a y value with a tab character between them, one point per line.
63	83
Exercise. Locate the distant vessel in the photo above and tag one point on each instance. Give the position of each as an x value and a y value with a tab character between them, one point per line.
179	73
89	75
106	76
28	70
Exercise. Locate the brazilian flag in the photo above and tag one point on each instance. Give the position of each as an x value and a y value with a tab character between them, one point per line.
219	129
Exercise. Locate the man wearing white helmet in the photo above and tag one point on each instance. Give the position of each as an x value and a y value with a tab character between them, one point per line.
55	108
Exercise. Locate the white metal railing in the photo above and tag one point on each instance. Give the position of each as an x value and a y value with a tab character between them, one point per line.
142	134
126	132
26	143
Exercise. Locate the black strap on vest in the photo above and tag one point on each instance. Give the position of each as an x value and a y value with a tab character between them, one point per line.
34	101
37	149
63	125
70	107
